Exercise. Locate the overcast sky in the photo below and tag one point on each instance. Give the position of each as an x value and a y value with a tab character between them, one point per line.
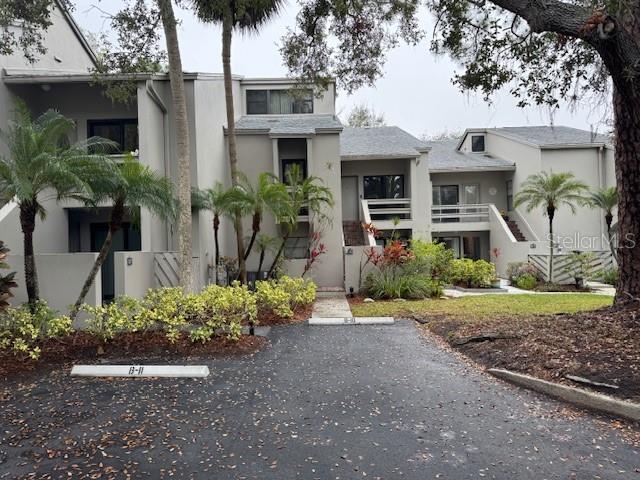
415	93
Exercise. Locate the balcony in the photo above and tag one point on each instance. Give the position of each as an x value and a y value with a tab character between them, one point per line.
388	213
452	218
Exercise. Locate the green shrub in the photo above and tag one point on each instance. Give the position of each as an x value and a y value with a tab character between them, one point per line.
21	330
610	276
273	298
284	295
7	282
223	308
472	273
526	282
434	259
518	269
303	292
393	284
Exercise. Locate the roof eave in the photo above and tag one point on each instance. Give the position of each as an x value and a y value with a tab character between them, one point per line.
506	168
377	156
564	146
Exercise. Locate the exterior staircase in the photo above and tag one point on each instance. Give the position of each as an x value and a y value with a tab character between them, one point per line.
513	226
353	234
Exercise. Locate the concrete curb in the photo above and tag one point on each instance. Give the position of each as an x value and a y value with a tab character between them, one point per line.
577	396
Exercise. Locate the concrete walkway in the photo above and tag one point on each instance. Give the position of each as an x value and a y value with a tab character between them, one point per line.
597	289
331	305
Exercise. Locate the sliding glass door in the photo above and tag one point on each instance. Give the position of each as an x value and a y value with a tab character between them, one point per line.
446	195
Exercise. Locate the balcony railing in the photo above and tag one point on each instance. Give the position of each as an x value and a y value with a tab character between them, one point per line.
460	213
389	208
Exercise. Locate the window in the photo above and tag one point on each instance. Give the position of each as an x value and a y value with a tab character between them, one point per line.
122	131
278	102
297	245
257	101
477	143
471	194
509	195
384	186
445	195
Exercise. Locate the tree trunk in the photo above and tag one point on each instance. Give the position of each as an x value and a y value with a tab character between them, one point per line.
28	212
256	229
261	262
182	138
227	33
551	212
216	254
278	255
627	123
115	223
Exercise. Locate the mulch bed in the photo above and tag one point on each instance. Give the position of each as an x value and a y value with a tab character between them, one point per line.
566	288
83	346
299	315
601	345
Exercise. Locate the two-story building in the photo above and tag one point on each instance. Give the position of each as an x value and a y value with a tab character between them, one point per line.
459	192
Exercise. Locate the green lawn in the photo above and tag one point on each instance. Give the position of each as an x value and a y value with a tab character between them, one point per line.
486	306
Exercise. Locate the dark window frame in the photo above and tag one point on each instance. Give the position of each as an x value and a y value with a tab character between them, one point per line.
474	147
298	101
120	122
385	193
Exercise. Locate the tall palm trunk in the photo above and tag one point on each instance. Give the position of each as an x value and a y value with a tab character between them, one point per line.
216	254
115	223
227	33
551	213
28	212
182	134
257	219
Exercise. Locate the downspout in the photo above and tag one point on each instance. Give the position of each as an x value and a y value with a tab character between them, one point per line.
153	94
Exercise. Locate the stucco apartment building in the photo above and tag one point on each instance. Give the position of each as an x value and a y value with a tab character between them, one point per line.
454	191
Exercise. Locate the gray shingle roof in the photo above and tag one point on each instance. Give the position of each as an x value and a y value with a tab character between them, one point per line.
379	142
444	156
546	136
288	124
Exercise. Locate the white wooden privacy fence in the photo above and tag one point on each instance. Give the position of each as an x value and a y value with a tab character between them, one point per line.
564	266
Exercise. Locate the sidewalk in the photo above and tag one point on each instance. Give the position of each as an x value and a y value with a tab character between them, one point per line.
331	305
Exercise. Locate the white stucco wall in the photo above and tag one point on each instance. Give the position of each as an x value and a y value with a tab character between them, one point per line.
135	279
60	278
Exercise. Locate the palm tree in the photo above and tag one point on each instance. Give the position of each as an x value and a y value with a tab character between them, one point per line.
216	200
264	243
269	195
130	187
42	166
551	191
605	198
245	16
304	194
182	137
